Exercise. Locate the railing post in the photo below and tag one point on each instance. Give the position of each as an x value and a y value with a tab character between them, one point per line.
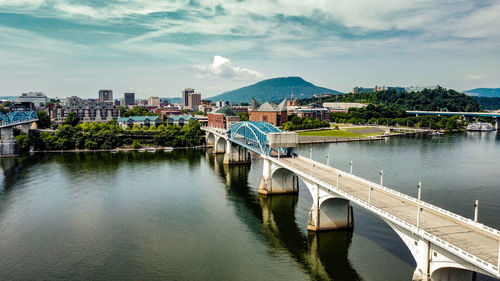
476	207
382	177
350	167
328	159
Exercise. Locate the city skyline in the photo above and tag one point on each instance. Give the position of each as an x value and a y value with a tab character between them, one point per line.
66	48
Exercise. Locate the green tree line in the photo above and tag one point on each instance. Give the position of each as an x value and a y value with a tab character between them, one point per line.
429	100
110	136
297	123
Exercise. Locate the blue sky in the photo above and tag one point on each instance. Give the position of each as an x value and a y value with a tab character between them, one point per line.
157	48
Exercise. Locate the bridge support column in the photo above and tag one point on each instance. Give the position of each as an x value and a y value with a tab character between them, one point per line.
328	212
497	125
236	154
25	128
8	144
277	180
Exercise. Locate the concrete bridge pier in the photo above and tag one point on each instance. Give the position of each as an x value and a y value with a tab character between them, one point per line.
328	212
26	127
497	125
8	144
236	154
277	180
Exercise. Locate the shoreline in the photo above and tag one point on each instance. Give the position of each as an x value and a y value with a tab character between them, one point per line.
142	149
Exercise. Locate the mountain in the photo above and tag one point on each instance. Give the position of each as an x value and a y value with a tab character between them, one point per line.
484	92
274	90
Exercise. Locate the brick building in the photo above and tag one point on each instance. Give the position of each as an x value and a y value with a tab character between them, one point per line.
274	114
222	117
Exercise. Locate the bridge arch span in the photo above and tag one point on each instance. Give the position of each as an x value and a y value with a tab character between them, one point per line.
210	138
284	181
220	145
277	180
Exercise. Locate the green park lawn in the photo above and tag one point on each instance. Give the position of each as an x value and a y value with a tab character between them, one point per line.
330	133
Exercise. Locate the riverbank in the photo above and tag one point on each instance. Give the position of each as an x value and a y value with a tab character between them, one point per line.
124	149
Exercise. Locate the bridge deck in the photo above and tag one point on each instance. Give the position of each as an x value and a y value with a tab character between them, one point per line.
471	239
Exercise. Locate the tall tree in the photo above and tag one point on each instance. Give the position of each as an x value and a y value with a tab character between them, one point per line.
72	119
43	119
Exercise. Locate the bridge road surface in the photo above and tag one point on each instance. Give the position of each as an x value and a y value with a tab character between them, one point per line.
468	238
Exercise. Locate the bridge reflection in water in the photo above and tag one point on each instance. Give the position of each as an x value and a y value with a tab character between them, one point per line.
322	255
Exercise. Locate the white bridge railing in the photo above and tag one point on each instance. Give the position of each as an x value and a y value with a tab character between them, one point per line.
493	269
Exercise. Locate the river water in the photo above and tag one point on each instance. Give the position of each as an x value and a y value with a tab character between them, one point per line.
183	215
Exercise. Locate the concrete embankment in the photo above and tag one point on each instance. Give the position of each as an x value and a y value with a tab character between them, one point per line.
320	139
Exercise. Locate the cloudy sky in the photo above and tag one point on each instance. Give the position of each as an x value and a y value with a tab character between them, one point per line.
76	47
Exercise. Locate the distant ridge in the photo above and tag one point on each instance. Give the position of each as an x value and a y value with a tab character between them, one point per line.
274	90
484	92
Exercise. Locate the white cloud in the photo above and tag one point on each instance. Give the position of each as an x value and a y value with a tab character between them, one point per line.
223	68
475	76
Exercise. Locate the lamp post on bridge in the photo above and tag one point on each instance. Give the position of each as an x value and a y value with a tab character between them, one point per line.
370	189
311	152
350	167
476	207
419	210
328	159
419	196
418	216
338	179
382	177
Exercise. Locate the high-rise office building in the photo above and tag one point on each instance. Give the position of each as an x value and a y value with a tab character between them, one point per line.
154	101
194	100
185	96
105	95
129	98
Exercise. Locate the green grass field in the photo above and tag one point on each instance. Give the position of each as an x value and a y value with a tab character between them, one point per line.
330	133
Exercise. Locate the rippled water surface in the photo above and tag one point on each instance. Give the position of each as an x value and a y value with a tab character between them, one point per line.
183	215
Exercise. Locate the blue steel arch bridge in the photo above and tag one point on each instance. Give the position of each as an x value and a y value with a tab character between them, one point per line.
14	117
261	137
23	120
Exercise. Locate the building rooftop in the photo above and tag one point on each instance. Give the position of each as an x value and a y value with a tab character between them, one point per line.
226	111
268	106
179	117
